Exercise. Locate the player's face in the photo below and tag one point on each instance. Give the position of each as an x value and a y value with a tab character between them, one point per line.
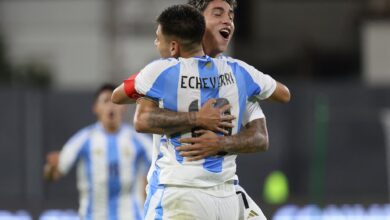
162	43
219	27
108	113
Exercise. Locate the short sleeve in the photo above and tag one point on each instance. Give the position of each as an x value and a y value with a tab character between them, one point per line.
145	82
253	111
71	151
266	83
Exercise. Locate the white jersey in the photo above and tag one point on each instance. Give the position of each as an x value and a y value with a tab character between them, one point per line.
184	85
108	166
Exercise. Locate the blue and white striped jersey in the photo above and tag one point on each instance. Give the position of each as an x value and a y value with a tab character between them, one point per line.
108	166
184	85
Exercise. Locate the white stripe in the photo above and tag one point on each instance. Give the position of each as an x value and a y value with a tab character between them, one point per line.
154	202
126	156
71	150
185	97
82	186
99	174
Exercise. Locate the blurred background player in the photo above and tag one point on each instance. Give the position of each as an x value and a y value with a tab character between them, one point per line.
219	17
174	43
110	156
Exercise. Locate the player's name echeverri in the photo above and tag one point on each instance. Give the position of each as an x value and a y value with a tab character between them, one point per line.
195	82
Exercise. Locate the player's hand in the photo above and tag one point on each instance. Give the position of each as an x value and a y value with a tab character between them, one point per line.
50	170
212	118
52	158
207	144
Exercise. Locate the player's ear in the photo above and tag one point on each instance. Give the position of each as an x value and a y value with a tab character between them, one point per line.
94	109
174	49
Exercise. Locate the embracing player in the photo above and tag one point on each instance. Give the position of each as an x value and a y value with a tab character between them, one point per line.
236	72
219	16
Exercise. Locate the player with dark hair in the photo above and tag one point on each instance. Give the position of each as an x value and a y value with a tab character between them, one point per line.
188	82
110	158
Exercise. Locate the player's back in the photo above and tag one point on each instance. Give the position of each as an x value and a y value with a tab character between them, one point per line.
184	85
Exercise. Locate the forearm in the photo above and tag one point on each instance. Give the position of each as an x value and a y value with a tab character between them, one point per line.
253	138
119	96
151	119
281	93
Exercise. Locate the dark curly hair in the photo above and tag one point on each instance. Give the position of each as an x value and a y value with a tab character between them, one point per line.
184	22
201	5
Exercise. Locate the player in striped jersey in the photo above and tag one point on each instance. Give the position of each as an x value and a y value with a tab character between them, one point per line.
195	82
219	16
110	158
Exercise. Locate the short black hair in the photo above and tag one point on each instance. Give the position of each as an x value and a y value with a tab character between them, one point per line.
184	22
201	5
102	88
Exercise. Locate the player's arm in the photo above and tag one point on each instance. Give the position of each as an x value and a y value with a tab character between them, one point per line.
50	170
126	93
281	93
149	118
58	163
271	89
252	138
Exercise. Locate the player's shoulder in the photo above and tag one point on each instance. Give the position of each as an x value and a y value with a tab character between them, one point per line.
233	60
239	63
82	134
161	63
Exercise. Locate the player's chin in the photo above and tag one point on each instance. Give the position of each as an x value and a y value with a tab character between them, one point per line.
223	44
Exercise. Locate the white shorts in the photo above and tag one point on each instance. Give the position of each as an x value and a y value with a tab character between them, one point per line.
190	203
248	208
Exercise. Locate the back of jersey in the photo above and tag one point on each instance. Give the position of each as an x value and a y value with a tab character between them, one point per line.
184	85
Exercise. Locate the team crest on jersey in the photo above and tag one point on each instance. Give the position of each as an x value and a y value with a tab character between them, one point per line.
126	152
98	151
209	65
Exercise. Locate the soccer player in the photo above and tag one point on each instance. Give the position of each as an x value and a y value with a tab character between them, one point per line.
177	39
110	158
219	16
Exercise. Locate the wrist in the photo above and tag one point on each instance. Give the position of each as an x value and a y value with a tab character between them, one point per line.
194	119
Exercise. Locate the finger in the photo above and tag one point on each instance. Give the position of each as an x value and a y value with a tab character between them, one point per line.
188	140
225	108
226	124
200	157
201	131
222	130
187	147
210	102
228	117
189	153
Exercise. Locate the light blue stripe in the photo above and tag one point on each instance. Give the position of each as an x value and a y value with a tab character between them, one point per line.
114	182
153	185
207	69
165	87
175	142
140	154
86	153
137	214
159	208
246	88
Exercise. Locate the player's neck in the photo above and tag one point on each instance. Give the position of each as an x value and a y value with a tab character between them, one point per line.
198	52
110	128
212	53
